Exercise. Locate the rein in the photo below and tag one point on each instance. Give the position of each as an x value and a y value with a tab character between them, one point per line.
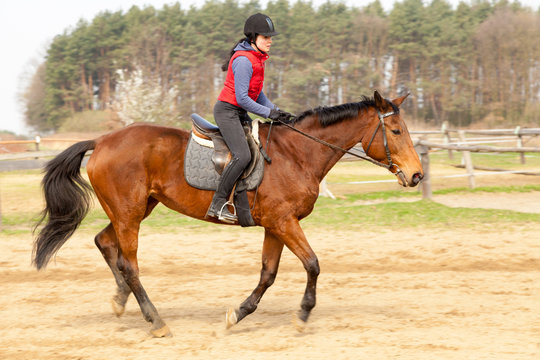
367	158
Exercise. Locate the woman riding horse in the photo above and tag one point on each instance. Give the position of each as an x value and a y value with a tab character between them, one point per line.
242	93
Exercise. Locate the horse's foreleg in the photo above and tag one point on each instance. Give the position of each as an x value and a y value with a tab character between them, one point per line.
292	235
107	243
271	254
128	265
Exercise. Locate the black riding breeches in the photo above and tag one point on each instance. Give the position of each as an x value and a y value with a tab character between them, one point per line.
230	118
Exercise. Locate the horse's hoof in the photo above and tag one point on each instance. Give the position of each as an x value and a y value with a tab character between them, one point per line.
161	332
117	308
231	318
299	324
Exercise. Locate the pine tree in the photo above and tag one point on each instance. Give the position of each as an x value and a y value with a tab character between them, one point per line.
461	65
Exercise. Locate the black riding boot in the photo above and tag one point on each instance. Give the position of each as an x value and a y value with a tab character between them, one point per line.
218	207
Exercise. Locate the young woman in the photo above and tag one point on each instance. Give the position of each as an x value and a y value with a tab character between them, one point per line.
242	93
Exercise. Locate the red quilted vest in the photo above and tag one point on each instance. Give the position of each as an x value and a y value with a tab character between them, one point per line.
257	60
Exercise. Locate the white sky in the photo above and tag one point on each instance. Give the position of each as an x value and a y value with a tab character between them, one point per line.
28	26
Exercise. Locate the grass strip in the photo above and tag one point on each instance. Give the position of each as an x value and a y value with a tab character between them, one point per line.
328	213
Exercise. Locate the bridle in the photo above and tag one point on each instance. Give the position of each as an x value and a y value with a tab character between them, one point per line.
381	124
385	139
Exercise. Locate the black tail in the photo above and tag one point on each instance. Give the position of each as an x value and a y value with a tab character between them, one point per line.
67	201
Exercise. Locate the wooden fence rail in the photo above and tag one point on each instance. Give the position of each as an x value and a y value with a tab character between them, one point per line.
37	141
477	148
515	131
29	155
423	147
518	133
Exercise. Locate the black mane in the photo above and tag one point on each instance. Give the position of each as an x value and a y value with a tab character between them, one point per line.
329	115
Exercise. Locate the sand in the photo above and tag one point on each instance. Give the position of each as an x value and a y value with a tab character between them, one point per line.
456	293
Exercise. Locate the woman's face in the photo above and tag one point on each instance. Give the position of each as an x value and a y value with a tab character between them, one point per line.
263	42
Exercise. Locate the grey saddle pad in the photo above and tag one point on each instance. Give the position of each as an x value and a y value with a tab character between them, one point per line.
200	172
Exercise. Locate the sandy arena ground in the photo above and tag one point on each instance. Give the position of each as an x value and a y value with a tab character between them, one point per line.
446	294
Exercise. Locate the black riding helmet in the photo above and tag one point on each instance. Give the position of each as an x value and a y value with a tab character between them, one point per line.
259	24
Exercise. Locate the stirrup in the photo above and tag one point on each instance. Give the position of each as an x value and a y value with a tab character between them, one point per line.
224	219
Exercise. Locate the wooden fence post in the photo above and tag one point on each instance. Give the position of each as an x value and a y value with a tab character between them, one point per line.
38	140
468	161
425	185
324	191
520	143
447	140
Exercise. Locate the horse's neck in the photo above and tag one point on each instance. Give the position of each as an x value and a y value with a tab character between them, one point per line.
344	134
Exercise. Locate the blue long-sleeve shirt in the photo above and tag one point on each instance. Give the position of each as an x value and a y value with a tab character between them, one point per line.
243	70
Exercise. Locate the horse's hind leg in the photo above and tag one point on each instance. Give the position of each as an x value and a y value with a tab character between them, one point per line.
128	265
271	254
107	243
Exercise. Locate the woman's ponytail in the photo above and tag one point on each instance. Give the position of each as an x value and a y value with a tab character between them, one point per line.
225	65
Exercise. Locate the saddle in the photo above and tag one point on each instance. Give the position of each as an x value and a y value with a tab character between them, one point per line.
208	134
207	155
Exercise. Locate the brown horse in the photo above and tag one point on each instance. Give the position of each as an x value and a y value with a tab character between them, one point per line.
133	169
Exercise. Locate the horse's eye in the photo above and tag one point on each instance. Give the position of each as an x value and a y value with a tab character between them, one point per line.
396	132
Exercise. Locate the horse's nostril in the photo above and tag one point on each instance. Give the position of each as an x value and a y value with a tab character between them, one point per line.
416	178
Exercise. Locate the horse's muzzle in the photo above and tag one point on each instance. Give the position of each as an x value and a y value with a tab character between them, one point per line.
416	178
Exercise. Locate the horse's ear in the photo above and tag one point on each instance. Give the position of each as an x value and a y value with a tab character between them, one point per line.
398	101
380	103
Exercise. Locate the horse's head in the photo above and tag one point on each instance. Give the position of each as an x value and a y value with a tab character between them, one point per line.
387	140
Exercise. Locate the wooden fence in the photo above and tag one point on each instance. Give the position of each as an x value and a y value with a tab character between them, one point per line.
31	159
448	139
37	141
423	147
457	140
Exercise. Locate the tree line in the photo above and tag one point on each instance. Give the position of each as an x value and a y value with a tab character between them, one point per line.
462	65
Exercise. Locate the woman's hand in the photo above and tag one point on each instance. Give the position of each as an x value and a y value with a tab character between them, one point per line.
280	115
